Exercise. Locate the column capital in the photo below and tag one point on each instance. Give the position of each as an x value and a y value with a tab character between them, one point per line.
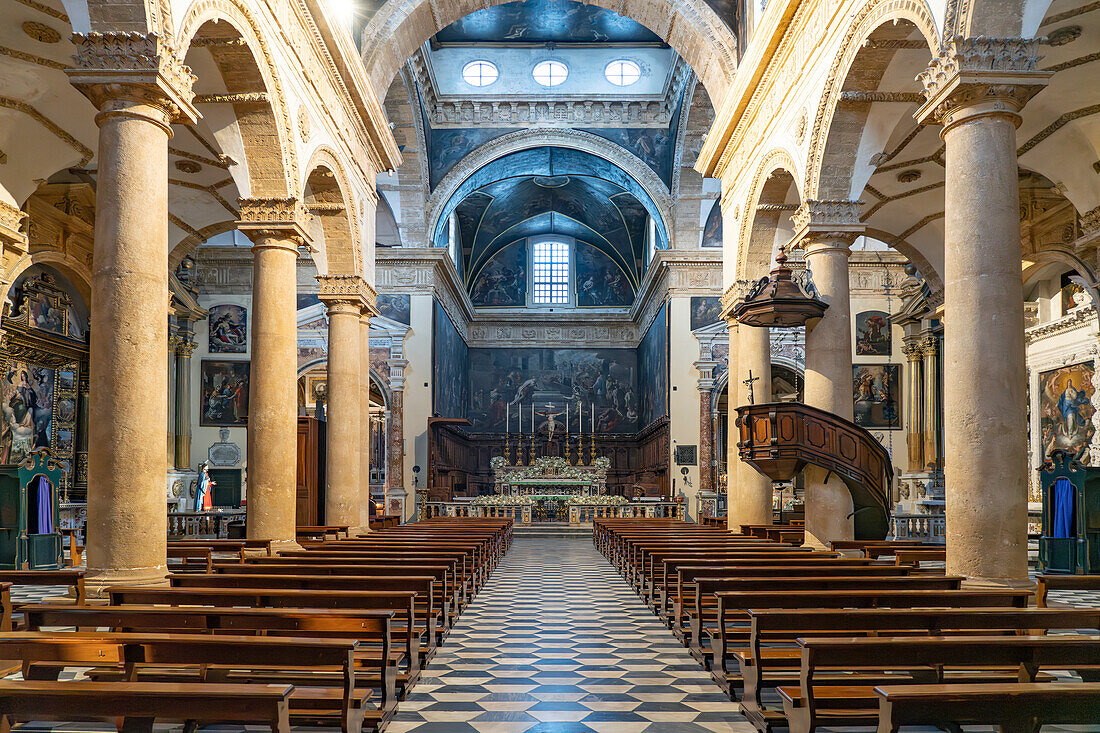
351	290
980	77
281	223
185	347
913	351
12	237
827	224
142	68
733	295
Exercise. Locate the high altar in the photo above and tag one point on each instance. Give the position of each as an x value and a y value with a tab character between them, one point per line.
550	476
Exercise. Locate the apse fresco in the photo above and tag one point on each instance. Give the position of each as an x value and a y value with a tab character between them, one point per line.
876	392
395	307
653	369
503	280
505	383
599	281
652	145
1065	410
451	357
873	333
705	311
448	146
27	395
712	230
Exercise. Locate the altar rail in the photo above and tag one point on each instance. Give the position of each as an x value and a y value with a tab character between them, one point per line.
578	513
202	524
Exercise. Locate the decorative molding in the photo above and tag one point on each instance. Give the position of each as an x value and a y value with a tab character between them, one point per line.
1076	318
143	64
839	220
893	97
31	58
267	217
12	229
86	153
238	98
990	74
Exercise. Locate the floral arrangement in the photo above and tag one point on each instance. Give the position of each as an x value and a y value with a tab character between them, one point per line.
496	500
598	500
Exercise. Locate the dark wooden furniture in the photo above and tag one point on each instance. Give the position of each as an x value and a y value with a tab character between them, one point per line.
780	438
309	481
73	578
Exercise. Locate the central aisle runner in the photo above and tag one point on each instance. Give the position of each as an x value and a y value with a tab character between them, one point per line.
557	642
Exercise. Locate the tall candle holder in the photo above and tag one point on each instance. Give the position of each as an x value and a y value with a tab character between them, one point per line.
508	449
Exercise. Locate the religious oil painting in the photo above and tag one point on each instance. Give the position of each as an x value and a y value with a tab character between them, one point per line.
228	329
502	281
599	281
395	307
1065	410
451	358
705	311
653	370
712	230
513	389
876	392
224	393
873	333
27	395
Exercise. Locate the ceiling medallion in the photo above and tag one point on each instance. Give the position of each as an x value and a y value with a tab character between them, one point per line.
779	300
188	166
1062	36
41	32
550	181
910	176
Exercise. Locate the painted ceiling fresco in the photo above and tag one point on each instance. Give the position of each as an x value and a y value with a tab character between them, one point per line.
546	21
589	209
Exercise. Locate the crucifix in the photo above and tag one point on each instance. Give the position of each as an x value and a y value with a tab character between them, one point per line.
748	383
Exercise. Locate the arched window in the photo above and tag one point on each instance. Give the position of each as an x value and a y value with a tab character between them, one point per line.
550	273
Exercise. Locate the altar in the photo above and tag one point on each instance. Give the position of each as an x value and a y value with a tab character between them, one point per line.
545	477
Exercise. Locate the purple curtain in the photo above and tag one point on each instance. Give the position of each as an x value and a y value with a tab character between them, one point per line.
1064	495
45	506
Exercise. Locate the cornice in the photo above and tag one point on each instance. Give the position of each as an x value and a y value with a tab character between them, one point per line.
1075	320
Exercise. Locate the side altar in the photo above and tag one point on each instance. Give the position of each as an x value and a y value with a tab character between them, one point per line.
550	476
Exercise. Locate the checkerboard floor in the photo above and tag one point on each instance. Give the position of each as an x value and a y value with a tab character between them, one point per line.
557	642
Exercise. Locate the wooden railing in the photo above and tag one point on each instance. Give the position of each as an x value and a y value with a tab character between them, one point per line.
578	513
780	438
202	524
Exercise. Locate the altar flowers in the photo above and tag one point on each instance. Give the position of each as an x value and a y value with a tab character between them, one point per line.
599	500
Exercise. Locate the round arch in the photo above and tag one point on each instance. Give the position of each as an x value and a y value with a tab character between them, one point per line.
272	168
439	202
690	27
1063	256
831	148
326	194
73	269
772	184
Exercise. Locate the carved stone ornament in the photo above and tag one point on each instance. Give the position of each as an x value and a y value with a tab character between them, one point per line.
983	75
45	34
12	221
261	218
336	290
827	219
141	65
303	123
224	452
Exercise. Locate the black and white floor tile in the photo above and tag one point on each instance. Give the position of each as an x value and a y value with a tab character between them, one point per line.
557	642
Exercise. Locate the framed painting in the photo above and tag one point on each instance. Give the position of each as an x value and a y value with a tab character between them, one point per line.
877	395
224	393
228	329
873	333
1065	410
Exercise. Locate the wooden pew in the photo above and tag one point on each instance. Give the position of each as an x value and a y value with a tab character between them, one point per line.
195	559
71	577
128	656
377	661
915	557
925	659
772	657
235	546
1015	707
140	704
1047	583
326	531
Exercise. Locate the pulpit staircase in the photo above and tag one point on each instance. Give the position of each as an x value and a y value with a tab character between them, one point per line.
781	438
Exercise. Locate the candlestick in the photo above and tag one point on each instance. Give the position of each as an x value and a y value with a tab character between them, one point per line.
592	425
507	419
532	419
567	419
519	414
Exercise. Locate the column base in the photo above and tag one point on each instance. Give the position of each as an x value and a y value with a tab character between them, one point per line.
98	579
353	532
998	584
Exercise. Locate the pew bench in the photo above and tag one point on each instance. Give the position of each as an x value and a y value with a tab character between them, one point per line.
915	660
73	578
140	704
1016	708
1047	583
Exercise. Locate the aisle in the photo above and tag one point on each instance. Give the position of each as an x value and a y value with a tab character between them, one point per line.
557	642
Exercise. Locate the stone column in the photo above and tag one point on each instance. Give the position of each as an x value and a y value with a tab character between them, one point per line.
365	314
826	230
395	445
930	351
706	436
345	435
975	90
751	497
915	406
139	86
184	349
277	228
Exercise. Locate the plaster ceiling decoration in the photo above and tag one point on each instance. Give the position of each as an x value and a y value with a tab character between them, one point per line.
540	22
